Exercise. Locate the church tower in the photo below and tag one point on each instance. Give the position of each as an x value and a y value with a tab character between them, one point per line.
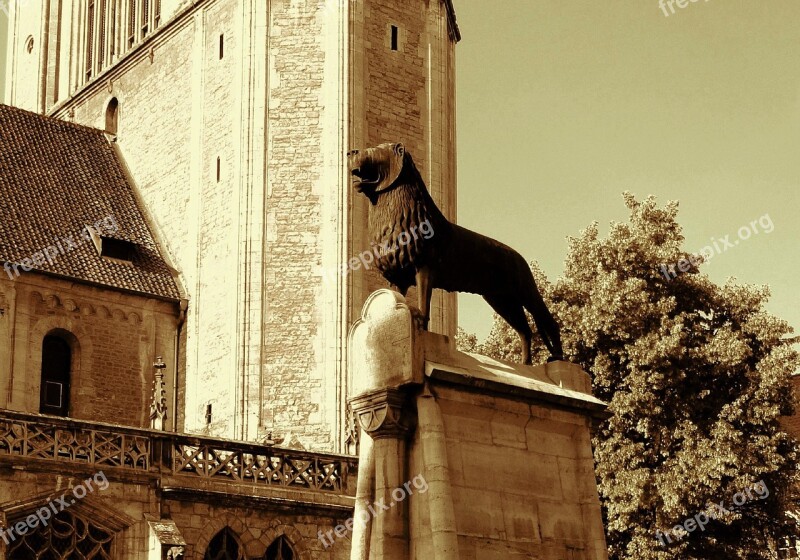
233	118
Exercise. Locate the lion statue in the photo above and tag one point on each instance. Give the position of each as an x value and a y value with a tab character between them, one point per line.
450	258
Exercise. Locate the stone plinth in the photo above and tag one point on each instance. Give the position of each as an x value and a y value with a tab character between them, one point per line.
464	457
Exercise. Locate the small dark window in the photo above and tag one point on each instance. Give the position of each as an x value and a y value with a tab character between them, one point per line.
219	170
208	414
112	114
224	547
221	46
394	37
279	550
119	249
56	369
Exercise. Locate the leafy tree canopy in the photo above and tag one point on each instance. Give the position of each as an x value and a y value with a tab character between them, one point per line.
697	376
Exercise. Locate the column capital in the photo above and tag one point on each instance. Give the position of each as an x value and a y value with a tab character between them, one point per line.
384	413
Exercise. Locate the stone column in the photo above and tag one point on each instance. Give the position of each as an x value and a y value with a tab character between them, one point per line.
384	416
437	475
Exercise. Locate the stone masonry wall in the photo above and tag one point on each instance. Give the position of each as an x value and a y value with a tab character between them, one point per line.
177	116
136	499
293	377
116	339
404	95
522	477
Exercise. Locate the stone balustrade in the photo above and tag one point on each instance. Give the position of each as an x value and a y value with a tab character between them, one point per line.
35	438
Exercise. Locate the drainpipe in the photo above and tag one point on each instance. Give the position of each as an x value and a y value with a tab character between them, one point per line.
184	304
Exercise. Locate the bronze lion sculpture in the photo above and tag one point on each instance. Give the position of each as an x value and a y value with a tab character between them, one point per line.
451	258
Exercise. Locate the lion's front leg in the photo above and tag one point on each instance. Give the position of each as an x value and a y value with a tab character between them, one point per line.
424	291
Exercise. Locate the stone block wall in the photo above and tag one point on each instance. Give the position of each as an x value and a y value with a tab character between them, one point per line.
522	477
114	338
405	95
135	500
234	118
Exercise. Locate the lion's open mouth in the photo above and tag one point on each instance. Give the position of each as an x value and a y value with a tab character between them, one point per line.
363	176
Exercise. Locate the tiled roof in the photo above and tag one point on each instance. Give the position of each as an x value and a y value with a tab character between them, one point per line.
56	178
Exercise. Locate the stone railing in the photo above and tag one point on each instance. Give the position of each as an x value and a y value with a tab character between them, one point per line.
107	446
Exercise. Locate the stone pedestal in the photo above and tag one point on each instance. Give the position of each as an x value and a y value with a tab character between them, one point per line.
463	457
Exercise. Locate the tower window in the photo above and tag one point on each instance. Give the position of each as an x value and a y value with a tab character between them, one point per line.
89	38
221	46
29	44
208	414
112	33
112	116
394	37
219	169
101	44
131	22
145	17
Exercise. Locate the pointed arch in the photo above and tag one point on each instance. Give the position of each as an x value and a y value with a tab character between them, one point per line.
225	545
280	549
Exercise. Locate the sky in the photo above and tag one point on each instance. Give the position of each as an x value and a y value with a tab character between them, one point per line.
564	104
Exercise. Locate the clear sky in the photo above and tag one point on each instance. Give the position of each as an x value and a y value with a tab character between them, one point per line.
564	104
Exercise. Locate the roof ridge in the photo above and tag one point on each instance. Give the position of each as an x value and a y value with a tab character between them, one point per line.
54	120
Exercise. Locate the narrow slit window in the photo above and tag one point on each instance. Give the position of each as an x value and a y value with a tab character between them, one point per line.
394	37
89	38
112	30
101	47
221	46
219	169
131	22
145	17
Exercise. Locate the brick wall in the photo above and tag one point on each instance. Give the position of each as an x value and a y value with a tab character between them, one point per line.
114	338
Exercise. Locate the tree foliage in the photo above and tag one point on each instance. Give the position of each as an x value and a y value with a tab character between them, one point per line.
697	376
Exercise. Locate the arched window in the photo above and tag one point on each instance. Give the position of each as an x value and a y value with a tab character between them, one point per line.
67	535
224	546
112	116
280	549
56	373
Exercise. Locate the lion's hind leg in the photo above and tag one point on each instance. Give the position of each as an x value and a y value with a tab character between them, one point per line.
545	324
513	313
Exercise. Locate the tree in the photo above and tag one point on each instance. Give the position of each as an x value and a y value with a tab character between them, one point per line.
696	375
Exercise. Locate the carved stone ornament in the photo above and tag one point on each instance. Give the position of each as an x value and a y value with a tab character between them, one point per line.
383	413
